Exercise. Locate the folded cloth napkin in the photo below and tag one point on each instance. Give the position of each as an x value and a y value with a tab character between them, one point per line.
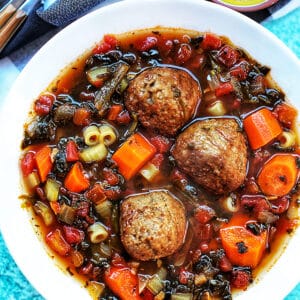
41	20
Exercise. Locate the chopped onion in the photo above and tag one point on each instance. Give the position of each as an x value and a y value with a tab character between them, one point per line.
143	280
182	296
149	171
216	109
95	289
30	182
155	284
293	211
77	258
213	80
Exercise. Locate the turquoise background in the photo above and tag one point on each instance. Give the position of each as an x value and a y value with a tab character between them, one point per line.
14	286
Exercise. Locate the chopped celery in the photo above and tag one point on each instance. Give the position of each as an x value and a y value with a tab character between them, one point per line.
52	189
44	211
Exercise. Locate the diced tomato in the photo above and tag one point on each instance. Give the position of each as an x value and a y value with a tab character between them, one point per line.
161	143
43	104
123	118
109	43
183	54
204	214
184	276
196	61
146	44
178	176
206	246
255	203
113	193
96	194
228	56
57	243
118	261
111	177
285	114
147	295
73	235
224	89
240	279
28	163
72	153
86	269
236	103
280	205
203	232
165	46
224	264
211	41
157	160
111	40
239	72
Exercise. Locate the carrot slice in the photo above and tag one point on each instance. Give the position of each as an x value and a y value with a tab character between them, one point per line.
122	282
75	181
261	128
241	246
133	154
43	162
114	111
279	175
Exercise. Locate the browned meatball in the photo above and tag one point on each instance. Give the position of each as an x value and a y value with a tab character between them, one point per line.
214	153
163	98
152	225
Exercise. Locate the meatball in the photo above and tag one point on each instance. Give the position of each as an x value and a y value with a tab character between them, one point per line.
152	225
213	153
163	98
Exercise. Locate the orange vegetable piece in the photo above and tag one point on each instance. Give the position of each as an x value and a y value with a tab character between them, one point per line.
114	111
241	246
82	117
279	175
133	154
261	128
43	162
286	114
75	181
56	242
122	282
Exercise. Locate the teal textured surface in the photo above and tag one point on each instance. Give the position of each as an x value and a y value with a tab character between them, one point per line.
14	286
287	29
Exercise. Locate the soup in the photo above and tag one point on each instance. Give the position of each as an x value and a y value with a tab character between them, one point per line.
163	164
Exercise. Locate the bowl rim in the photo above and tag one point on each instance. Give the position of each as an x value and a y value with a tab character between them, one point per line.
247	8
8	227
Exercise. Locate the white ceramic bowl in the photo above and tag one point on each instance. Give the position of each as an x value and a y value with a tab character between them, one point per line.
25	247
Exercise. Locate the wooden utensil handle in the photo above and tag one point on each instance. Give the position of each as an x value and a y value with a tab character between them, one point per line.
10	27
7	12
